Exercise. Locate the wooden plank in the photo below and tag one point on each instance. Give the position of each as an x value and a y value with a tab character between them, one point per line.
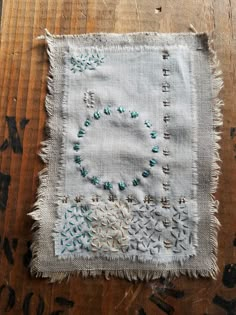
23	71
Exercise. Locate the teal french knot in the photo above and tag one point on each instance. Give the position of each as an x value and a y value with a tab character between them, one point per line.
153	134
107	110
148	123
83	172
108	186
152	162
97	115
95	180
81	133
134	114
76	232
146	173
121	109
78	159
87	123
122	185
76	147
155	149
84	62
136	182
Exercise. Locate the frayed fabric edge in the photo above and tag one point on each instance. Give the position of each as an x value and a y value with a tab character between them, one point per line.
131	275
43	175
217	103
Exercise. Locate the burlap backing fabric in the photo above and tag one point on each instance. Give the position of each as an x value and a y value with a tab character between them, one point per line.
132	149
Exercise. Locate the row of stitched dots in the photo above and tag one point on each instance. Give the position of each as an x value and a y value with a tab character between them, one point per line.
165	201
148	199
166	103
166	118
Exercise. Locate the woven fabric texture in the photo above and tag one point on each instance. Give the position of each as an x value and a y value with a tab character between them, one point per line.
131	157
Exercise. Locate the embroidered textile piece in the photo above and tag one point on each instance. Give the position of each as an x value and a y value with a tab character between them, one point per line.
132	157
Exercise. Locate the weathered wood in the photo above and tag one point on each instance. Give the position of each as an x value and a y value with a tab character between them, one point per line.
23	71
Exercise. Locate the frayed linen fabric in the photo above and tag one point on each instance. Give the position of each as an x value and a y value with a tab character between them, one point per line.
131	157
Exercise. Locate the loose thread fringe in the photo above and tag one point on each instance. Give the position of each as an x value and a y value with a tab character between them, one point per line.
39	206
217	103
42	192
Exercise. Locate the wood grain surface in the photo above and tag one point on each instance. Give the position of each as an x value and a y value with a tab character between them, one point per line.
23	75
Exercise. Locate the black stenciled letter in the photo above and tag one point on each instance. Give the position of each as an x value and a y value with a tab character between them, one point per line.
4	184
26	304
11	297
14	138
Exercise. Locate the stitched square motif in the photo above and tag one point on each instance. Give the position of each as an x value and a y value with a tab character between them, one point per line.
131	158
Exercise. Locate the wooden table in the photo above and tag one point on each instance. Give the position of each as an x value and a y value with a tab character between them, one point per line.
23	76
